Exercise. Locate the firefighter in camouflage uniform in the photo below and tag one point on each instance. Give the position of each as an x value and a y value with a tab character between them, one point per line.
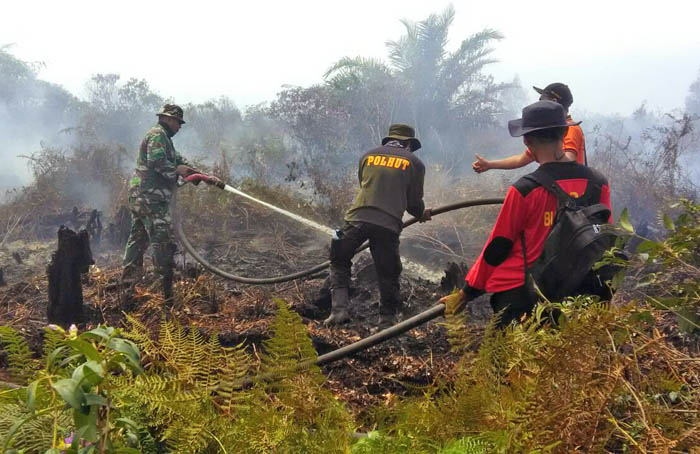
150	191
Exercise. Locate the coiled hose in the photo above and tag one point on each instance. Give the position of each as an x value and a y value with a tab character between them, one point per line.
180	233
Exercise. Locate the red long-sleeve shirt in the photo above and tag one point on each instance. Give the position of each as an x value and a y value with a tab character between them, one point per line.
529	208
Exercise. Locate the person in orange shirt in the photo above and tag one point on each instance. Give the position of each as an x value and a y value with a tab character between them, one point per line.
574	143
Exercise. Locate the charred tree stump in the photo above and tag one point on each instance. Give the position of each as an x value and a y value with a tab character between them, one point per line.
118	230
2	278
72	257
454	276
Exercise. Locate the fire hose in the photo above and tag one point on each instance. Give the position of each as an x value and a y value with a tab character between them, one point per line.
180	233
363	344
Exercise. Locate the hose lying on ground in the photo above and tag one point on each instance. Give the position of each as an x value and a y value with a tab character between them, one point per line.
180	233
355	347
362	344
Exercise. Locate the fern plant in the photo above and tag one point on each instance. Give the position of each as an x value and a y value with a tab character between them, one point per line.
303	416
21	364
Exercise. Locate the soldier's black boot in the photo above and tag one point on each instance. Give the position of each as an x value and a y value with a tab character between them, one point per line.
385	321
131	275
167	282
340	301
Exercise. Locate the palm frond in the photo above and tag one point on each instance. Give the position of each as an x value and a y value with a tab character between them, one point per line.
352	72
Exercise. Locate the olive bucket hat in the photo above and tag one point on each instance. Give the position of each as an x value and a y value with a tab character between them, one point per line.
172	110
399	131
540	115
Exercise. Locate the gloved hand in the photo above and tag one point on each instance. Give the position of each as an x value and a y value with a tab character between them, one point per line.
197	177
185	171
454	303
427	215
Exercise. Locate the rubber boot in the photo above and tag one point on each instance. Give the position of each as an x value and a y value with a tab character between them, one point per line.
167	282
385	321
339	307
131	275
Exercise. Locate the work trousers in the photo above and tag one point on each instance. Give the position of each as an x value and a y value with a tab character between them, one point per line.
384	246
150	223
518	302
513	305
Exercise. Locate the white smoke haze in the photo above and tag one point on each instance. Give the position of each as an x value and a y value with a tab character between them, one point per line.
448	82
613	54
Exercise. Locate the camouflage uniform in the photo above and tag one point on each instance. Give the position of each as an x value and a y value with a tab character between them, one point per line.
150	192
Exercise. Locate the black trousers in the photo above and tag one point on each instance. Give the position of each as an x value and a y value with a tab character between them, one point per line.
384	246
518	302
514	304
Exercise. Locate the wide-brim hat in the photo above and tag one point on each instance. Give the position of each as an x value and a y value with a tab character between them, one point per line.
540	115
399	131
172	110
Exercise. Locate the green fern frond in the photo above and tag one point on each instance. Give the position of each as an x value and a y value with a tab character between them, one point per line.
139	333
53	339
33	437
187	436
19	356
209	364
468	445
290	343
171	339
459	337
236	366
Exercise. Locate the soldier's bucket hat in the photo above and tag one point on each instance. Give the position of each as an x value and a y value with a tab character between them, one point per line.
172	110
400	131
540	115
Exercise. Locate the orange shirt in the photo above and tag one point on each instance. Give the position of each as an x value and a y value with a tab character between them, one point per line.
573	142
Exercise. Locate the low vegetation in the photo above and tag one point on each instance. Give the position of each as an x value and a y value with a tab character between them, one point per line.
603	377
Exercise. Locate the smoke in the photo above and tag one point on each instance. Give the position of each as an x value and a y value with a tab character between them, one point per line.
310	138
32	111
92	194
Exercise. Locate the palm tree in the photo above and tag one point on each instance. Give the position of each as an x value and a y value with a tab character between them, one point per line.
371	95
445	87
444	94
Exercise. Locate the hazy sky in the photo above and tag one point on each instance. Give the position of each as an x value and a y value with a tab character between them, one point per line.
614	54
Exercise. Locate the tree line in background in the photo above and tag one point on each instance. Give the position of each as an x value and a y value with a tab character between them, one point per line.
310	137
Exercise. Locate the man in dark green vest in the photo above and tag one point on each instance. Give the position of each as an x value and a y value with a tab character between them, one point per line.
391	182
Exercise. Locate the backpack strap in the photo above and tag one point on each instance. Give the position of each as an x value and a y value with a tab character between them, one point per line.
592	194
548	182
522	242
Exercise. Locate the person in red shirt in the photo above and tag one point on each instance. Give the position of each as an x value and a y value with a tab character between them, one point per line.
574	144
529	211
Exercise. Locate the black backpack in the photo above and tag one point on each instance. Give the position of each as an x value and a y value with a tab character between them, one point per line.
579	237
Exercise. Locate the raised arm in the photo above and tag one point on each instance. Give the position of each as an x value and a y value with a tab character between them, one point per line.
512	162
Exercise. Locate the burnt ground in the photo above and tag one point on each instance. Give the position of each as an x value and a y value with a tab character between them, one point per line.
254	244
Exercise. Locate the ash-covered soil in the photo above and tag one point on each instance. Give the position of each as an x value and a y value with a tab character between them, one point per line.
256	244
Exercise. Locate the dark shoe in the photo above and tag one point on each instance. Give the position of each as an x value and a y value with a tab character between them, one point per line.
131	275
339	307
385	321
167	282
